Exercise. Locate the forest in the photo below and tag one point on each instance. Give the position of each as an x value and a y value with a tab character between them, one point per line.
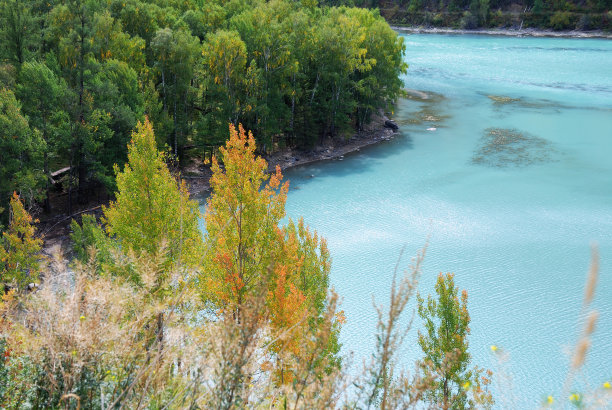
77	75
146	311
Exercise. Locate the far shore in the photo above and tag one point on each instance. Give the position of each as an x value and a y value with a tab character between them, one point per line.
527	32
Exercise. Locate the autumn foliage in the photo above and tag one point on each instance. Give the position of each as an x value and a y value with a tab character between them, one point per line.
242	219
242	319
250	249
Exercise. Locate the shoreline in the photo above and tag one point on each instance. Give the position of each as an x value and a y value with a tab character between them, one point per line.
328	149
528	32
55	228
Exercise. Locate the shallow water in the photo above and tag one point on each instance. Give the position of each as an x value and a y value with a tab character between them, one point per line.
514	226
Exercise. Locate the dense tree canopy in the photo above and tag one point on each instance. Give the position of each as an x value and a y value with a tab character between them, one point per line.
77	75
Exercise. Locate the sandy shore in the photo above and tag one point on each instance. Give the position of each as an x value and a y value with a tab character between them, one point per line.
506	32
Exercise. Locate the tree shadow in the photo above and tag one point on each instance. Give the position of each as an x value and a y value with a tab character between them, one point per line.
352	163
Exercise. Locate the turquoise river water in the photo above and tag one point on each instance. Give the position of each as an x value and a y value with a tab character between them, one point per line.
511	187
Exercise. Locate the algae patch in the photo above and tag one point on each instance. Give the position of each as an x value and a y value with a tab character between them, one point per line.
502	148
502	100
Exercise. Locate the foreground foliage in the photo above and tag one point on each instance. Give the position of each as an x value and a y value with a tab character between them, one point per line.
133	323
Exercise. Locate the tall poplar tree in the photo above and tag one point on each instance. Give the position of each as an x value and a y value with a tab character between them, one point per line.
242	220
250	250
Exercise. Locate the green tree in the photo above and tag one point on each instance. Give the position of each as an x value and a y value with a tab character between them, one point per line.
264	30
152	210
379	83
71	34
176	52
222	78
483	12
20	258
444	343
20	153
43	96
117	97
110	41
17	29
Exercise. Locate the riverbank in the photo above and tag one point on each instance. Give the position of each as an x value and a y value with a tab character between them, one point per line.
55	228
527	32
198	175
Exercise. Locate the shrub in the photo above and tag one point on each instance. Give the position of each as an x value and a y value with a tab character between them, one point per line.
585	22
561	20
468	21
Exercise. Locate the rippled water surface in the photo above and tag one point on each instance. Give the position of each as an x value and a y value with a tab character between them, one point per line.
512	186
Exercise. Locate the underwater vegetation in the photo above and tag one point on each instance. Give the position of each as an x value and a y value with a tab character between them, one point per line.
429	111
502	101
501	147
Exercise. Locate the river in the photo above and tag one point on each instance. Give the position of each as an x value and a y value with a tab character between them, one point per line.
507	168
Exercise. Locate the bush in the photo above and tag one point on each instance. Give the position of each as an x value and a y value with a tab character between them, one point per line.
561	20
468	21
585	22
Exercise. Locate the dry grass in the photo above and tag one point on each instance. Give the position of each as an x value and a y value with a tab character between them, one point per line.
97	341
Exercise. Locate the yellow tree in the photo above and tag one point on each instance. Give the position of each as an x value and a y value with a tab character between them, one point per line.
241	220
250	250
20	256
152	210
